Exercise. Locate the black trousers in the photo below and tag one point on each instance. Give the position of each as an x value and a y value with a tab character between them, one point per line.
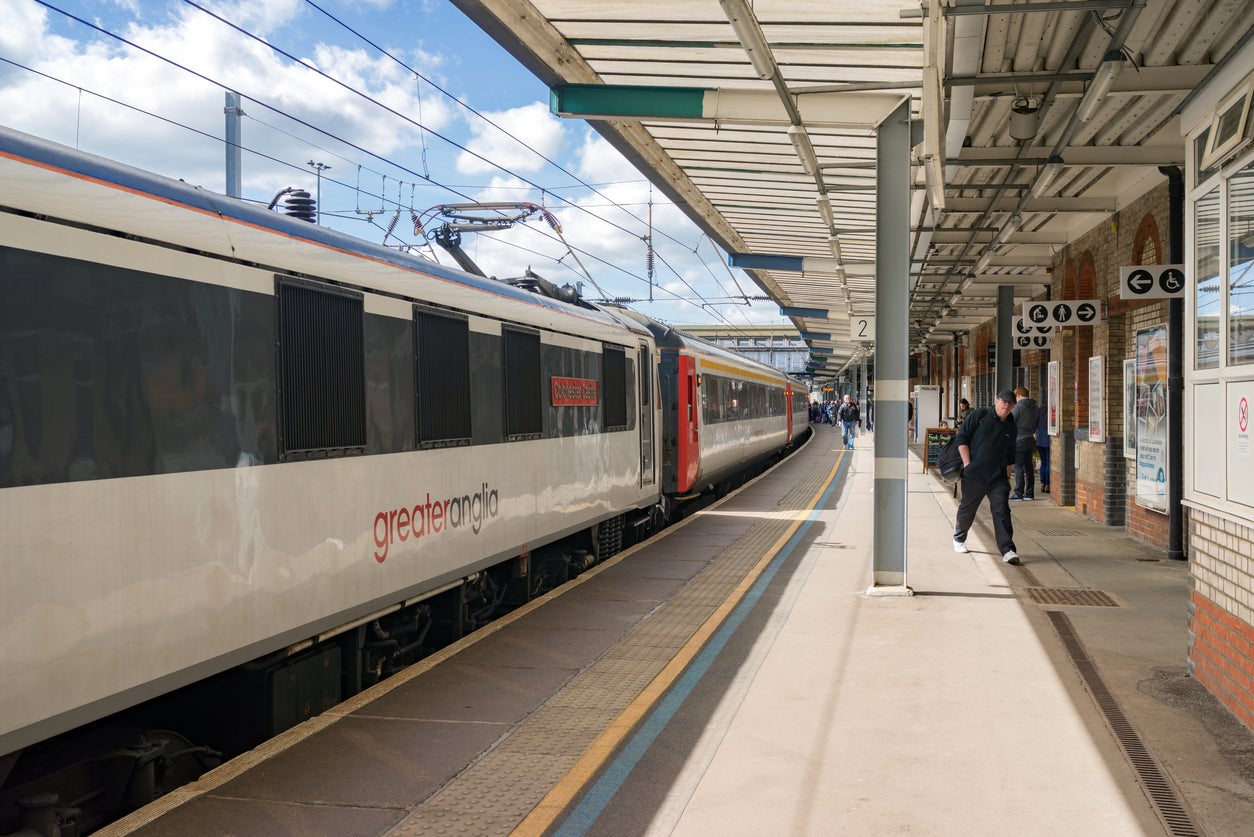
998	494
1025	477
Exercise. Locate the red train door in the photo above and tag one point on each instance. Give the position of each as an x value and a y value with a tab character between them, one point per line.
689	425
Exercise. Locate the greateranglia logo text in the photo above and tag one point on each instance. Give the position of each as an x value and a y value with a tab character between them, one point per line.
432	517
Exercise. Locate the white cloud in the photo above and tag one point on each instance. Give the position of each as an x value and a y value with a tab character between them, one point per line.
227	59
532	132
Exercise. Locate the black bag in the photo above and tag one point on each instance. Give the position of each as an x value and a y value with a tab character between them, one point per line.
949	461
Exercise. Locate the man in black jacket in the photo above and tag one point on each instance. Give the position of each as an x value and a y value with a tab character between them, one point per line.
986	442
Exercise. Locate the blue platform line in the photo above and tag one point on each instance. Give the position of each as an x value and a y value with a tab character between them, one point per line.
603	792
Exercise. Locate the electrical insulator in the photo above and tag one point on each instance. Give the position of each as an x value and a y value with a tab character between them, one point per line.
300	204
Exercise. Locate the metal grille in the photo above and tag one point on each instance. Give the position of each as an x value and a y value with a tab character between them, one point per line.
1061	533
524	418
442	344
1158	788
322	370
614	387
1070	596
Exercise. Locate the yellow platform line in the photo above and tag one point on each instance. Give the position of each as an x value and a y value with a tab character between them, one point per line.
599	751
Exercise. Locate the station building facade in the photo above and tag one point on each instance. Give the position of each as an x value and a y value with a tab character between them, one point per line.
1104	388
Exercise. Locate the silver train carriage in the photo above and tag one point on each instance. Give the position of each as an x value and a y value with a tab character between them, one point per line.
224	431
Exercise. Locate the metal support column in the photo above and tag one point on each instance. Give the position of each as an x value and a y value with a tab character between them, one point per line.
1005	377
892	350
862	405
233	111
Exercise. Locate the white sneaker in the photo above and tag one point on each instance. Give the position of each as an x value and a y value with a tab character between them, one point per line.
1010	557
959	546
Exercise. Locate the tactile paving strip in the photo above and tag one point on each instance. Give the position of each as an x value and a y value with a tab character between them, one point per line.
501	788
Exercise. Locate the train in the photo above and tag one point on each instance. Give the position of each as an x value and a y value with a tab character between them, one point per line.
238	444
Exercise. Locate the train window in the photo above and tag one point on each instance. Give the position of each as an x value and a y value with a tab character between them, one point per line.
614	388
322	370
524	416
442	349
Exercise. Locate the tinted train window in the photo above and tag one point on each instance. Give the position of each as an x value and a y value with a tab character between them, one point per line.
524	417
322	370
442	349
614	387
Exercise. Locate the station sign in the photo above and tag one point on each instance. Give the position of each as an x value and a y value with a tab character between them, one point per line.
1066	312
1157	281
1025	329
1033	341
862	328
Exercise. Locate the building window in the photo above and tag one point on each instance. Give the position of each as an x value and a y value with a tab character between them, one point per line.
1240	306
1209	290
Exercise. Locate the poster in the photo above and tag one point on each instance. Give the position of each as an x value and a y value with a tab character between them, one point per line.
1051	424
1151	418
1097	405
1129	408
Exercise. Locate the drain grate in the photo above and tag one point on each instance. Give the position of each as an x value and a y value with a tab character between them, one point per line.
1070	596
1158	788
1060	533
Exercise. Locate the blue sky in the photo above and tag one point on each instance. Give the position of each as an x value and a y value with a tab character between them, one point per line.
389	137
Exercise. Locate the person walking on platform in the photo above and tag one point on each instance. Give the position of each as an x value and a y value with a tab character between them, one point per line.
1026	412
964	410
1042	449
986	442
847	413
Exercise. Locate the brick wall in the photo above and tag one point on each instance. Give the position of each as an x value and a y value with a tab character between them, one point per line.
1221	633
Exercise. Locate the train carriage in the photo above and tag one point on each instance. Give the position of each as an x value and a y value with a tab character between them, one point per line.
236	444
223	431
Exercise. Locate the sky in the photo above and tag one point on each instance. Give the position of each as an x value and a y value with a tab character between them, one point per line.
403	104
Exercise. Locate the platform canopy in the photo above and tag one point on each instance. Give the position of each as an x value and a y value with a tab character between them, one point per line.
758	120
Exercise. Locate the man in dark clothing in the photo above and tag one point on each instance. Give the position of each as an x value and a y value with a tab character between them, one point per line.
847	415
1026	412
986	442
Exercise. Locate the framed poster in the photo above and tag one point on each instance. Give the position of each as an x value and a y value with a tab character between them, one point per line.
1097	406
1129	408
1051	422
1151	418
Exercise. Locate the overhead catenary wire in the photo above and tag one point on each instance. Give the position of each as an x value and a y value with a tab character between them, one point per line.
347	143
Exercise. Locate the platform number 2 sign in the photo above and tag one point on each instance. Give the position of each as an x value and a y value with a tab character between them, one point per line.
862	329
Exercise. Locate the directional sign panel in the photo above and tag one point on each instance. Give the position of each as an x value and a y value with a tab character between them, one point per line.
862	328
1157	281
1063	312
1023	328
1033	341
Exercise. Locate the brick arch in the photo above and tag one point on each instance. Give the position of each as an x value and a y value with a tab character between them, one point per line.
1147	233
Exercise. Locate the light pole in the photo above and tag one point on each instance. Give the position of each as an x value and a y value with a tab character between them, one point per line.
319	168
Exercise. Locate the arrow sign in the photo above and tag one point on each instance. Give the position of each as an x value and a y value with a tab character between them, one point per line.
1152	281
1140	282
1046	315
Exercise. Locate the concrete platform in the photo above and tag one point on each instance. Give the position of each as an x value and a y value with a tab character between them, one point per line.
736	678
